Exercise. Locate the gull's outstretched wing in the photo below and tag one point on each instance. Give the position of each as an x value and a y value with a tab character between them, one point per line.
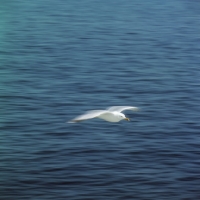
122	108
88	115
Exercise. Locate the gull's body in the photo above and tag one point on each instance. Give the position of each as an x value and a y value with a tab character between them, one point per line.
112	114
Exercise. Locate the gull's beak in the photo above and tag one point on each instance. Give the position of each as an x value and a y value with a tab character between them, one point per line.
127	119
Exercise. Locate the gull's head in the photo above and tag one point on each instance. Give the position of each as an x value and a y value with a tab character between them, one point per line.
122	116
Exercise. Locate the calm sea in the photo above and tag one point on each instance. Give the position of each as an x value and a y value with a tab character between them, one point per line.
61	58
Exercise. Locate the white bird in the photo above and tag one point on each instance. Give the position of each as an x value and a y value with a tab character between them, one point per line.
112	114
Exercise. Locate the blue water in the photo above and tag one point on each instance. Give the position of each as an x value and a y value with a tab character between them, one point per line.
61	58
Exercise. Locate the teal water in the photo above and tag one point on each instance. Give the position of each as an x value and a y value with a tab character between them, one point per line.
62	58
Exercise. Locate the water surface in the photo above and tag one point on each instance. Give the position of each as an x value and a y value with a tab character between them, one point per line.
62	58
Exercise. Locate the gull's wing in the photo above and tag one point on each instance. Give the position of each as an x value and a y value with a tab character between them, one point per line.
88	115
122	108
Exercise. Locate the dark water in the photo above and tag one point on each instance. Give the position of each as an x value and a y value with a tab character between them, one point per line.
61	58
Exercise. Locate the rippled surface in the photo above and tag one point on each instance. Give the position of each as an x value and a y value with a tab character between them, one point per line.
61	58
